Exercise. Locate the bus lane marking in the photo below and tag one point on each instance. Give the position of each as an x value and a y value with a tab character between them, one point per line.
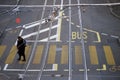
97	33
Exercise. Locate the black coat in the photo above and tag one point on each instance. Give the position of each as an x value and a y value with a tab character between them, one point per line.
21	44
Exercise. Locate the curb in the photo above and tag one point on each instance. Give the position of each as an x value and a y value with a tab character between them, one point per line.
111	10
113	13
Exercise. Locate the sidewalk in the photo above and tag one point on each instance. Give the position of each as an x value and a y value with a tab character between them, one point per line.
115	10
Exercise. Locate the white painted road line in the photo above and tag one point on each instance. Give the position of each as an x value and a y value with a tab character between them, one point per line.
104	34
34	24
6	65
8	29
18	27
42	41
36	70
81	70
30	70
114	36
84	69
37	23
51	37
41	31
110	35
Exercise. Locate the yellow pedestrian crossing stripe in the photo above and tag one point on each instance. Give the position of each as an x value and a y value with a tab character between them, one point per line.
63	58
12	55
64	54
2	49
93	55
52	54
38	54
109	55
78	55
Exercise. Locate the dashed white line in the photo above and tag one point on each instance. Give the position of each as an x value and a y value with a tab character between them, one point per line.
8	29
19	27
84	69
104	34
114	36
77	26
30	70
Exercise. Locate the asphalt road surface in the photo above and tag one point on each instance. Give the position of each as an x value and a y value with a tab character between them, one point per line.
80	43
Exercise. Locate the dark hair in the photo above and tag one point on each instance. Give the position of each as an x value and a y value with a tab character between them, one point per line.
19	37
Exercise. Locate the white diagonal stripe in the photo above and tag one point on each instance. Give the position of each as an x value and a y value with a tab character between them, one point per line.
34	24
41	31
